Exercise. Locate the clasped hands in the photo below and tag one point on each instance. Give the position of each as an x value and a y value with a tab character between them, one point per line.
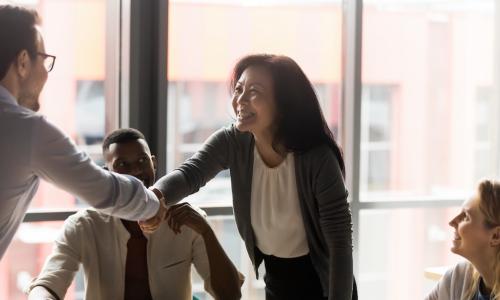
176	216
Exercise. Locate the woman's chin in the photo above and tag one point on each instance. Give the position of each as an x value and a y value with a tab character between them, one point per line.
456	249
242	126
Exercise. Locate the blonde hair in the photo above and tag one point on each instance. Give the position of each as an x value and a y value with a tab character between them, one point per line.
489	205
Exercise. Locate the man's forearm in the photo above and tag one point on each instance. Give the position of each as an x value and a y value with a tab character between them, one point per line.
224	277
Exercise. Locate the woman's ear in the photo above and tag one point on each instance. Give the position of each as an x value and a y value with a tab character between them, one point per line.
495	237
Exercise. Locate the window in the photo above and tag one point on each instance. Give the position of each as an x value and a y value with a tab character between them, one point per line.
397	245
377	123
484	137
25	257
199	100
427	135
90	115
206	38
433	53
73	97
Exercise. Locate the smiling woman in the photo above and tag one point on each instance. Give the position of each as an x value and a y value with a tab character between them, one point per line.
287	174
476	238
253	101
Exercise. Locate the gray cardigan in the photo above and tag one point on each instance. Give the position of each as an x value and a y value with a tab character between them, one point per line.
322	196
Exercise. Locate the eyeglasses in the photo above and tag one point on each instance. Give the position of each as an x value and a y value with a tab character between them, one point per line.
48	60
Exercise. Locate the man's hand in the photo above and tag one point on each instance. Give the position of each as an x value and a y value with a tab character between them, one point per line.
183	214
153	223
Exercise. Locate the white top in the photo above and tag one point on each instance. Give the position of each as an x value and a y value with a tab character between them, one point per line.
99	243
33	148
454	284
275	210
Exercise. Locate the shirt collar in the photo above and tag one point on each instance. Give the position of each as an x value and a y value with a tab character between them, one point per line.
6	96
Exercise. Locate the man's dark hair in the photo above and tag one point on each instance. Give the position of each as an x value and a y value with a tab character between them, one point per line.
17	33
120	136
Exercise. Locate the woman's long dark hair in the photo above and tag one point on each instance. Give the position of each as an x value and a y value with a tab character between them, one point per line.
300	122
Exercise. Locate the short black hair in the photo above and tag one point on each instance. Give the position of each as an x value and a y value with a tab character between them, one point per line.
122	135
17	33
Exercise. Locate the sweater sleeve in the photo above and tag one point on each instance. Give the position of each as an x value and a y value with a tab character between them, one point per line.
335	223
195	172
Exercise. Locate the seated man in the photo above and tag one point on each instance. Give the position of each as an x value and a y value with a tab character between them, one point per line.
119	261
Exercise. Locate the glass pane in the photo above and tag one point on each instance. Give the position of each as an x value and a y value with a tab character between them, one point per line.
396	248
25	257
207	37
430	99
73	97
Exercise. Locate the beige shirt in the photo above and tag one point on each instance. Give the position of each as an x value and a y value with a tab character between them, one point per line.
275	210
99	243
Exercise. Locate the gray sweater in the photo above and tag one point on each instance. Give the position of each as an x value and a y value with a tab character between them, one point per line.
322	196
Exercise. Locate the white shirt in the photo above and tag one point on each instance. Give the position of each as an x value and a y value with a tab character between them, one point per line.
99	243
33	148
275	209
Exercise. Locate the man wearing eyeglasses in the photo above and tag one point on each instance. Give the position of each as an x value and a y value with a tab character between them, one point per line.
33	148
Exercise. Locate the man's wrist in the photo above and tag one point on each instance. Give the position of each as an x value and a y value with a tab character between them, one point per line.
158	193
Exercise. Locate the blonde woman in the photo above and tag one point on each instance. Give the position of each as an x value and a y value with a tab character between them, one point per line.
477	238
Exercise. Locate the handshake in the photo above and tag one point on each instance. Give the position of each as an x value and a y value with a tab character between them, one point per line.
150	225
176	216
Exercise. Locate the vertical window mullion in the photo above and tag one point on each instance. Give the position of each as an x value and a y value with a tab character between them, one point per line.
351	109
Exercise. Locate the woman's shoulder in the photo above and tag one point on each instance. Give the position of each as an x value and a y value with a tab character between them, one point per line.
230	134
457	279
322	149
231	131
318	155
461	270
234	132
453	284
456	274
